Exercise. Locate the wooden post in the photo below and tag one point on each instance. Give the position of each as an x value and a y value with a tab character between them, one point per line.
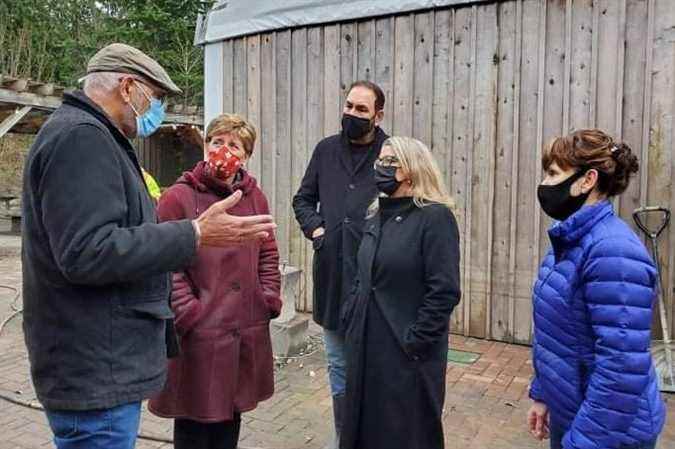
13	119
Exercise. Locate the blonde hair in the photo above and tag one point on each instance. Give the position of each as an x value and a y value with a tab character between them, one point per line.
427	185
236	124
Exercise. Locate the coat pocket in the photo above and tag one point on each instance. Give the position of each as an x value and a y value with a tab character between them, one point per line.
139	341
412	349
260	308
147	289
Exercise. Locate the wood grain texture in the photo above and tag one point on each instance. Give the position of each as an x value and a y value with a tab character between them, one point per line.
485	86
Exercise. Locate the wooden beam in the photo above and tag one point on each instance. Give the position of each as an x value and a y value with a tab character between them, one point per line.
43	89
13	119
184	119
53	102
28	99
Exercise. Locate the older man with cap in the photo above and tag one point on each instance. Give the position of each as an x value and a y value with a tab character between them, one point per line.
96	264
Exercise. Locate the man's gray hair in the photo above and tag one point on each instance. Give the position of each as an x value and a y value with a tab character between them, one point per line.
101	82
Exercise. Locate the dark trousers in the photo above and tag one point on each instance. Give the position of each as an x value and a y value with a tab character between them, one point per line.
188	434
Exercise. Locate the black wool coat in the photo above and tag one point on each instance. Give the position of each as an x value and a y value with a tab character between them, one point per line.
335	195
397	323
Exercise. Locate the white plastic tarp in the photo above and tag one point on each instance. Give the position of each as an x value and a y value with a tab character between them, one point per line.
233	18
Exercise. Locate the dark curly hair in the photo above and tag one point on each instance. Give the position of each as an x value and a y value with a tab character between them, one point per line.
587	149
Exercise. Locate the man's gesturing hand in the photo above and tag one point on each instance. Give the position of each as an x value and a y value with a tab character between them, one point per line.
218	228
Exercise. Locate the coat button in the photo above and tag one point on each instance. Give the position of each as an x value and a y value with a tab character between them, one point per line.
352	186
347	220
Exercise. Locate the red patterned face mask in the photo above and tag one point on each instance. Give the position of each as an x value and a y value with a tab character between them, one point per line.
223	163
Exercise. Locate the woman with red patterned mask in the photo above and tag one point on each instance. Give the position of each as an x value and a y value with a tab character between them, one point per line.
223	302
225	155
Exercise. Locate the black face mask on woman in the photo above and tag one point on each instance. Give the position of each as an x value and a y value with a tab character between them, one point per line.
385	179
557	200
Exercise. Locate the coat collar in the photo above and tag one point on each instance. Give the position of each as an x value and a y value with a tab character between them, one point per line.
566	233
403	206
79	100
373	153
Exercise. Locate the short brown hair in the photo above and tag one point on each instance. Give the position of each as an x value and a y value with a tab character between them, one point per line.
587	149
374	88
233	123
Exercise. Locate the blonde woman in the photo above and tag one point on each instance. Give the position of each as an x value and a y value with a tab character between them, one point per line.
397	317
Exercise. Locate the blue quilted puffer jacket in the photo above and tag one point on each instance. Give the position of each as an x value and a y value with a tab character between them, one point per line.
592	317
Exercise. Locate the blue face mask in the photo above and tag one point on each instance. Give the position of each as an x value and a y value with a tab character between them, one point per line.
151	120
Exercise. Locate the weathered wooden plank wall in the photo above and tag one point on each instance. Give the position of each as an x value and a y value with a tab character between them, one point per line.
486	86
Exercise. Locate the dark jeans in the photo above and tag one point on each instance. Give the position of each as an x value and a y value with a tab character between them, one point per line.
113	428
188	434
557	435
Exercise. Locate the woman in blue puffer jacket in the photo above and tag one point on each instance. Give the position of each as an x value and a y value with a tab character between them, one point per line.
595	386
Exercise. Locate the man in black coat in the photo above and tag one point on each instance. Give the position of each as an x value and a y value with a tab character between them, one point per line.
96	264
331	207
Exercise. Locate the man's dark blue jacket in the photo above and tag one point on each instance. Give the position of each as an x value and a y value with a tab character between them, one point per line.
95	265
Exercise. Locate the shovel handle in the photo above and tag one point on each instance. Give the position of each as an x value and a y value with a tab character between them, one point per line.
643	212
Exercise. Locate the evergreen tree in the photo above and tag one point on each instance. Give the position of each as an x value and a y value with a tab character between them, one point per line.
52	40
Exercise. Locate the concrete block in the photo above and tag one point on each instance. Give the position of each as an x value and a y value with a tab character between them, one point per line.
289	329
290	290
288	338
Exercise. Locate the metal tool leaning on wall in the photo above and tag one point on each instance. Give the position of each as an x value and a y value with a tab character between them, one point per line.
662	350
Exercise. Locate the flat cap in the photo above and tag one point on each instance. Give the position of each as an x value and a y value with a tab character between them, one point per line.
127	59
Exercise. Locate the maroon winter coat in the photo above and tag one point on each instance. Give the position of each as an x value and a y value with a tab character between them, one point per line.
223	305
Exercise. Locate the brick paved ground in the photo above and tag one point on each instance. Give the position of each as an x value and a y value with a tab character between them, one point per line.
484	409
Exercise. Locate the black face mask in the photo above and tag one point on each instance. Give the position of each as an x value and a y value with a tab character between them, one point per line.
557	200
355	127
385	180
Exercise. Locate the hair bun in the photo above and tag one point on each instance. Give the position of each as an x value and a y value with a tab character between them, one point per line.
625	157
626	166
